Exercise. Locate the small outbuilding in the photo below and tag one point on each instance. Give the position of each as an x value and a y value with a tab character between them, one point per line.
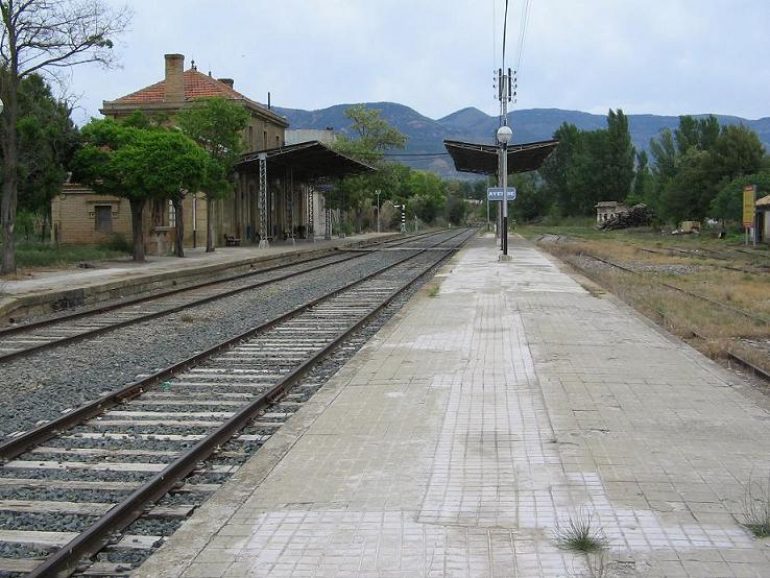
606	210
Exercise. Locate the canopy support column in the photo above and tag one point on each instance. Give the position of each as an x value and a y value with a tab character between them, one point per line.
263	242
310	231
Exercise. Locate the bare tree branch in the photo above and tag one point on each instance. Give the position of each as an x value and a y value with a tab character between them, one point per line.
41	36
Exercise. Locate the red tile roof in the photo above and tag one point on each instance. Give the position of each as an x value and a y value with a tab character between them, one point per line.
196	84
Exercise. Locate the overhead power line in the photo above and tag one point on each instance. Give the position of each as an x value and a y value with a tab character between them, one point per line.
526	8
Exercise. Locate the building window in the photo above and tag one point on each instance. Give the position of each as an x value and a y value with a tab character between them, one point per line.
251	138
277	141
171	214
264	140
103	218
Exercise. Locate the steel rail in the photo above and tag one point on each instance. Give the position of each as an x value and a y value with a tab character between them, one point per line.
690	254
739	359
747	314
159	295
65	560
730	354
160	313
11	448
174	309
749	365
145	298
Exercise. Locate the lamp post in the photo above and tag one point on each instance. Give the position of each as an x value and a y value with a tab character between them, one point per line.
504	134
377	192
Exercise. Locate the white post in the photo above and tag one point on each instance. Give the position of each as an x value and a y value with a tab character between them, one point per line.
504	134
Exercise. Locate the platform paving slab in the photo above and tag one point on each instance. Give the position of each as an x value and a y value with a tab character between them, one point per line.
481	421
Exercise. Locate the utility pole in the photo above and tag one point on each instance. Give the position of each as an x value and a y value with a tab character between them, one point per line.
504	133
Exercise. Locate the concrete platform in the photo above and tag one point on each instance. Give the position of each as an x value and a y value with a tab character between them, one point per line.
42	291
481	420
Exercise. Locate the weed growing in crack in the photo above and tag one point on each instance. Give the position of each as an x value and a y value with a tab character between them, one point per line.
581	533
756	507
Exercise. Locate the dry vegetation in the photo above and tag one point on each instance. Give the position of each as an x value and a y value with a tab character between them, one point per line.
732	312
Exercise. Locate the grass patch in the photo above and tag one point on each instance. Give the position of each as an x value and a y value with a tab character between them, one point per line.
31	254
581	533
696	264
186	318
756	507
433	290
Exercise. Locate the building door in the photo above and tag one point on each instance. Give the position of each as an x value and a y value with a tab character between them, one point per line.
103	216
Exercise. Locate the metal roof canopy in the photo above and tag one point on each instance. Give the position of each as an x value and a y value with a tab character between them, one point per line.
306	160
483	159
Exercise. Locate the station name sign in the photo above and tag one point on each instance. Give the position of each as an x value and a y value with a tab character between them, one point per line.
496	193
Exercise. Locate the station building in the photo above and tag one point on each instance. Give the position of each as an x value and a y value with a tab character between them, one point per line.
276	193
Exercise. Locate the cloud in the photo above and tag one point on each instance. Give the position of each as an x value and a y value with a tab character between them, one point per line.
664	57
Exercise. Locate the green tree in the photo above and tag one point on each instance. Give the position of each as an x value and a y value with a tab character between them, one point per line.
217	125
557	170
46	142
737	151
618	172
373	136
589	166
530	203
140	165
644	186
688	194
38	36
428	196
695	162
698	133
666	156
456	208
727	205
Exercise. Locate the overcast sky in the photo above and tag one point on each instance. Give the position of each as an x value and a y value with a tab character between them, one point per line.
437	56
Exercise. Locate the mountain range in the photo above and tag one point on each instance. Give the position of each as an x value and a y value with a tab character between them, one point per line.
425	136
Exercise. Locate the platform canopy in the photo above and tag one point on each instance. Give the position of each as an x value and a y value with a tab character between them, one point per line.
483	159
306	160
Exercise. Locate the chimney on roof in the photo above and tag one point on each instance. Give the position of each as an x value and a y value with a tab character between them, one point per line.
174	84
228	81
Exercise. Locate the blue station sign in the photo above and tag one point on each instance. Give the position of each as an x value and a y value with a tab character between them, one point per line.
496	193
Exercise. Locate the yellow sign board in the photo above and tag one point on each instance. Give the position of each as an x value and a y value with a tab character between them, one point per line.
749	205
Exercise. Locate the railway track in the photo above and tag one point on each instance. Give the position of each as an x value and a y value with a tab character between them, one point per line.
729	254
731	355
747	314
100	476
756	269
21	340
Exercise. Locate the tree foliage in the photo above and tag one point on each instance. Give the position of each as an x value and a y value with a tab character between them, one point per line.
685	176
428	196
217	125
727	205
140	164
697	161
47	139
618	173
372	135
530	203
42	36
590	166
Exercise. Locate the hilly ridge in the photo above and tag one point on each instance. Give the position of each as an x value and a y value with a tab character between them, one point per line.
425	149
